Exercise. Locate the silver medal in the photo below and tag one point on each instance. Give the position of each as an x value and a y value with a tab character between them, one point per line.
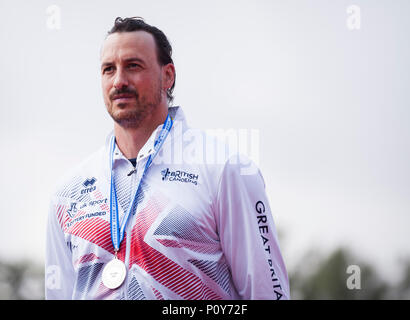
114	273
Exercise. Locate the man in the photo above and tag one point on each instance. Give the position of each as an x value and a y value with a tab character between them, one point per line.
128	223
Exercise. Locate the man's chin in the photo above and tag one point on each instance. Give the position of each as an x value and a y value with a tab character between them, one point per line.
130	115
121	104
128	119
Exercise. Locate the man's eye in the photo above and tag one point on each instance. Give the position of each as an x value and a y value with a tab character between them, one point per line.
107	69
133	65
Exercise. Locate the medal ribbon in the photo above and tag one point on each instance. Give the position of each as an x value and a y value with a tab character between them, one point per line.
117	230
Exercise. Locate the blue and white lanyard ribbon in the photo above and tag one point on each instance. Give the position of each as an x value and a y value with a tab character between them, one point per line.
117	230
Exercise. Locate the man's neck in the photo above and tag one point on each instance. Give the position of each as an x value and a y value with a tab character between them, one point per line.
130	140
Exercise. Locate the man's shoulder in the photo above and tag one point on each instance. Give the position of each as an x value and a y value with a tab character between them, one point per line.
216	149
216	154
87	168
219	150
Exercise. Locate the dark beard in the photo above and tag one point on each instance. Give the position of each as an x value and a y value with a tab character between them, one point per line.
134	116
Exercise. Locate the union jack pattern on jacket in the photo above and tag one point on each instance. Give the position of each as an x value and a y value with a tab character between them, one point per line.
198	230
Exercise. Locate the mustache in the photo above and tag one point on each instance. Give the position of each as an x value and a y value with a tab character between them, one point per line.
123	90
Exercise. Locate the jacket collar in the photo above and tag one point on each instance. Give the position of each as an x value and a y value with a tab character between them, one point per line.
179	125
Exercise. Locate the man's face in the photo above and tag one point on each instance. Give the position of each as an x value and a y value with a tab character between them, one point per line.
131	77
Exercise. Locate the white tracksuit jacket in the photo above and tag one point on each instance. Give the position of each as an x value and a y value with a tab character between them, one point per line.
201	228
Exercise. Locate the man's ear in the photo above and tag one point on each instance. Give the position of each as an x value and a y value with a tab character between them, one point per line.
168	76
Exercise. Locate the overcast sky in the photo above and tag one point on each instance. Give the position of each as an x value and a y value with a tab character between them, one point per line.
330	104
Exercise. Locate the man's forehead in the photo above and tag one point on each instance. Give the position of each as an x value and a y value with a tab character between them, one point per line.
123	44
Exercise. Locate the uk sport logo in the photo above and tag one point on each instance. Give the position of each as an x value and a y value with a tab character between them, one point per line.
73	209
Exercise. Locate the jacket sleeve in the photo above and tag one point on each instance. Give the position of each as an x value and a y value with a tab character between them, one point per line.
59	271
248	235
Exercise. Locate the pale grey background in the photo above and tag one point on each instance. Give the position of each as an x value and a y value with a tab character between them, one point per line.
331	104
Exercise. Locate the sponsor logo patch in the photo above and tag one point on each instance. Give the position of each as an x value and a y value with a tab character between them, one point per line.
89	185
179	176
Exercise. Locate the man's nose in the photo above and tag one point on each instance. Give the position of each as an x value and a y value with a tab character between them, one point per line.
120	79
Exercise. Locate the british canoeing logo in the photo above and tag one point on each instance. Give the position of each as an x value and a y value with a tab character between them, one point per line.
179	175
